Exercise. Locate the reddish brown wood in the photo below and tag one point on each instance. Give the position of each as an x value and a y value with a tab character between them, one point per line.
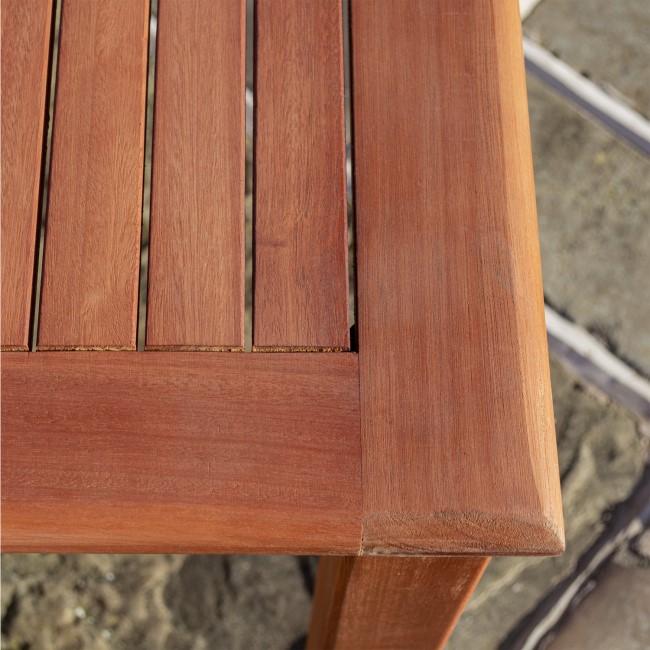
196	258
26	36
459	450
176	452
375	602
89	296
199	452
301	288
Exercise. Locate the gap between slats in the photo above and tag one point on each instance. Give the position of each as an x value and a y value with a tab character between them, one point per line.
352	235
40	237
146	185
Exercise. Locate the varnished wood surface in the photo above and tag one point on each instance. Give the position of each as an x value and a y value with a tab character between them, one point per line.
300	282
26	37
449	401
180	452
196	263
458	440
89	296
373	603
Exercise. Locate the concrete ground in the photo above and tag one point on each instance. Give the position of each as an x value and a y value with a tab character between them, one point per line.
593	192
592	198
598	623
605	41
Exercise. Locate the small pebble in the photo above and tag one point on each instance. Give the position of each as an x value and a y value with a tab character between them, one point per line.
80	613
110	576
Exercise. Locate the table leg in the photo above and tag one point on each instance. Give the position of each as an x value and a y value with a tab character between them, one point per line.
390	602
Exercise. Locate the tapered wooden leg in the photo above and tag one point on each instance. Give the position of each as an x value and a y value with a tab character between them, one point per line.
390	602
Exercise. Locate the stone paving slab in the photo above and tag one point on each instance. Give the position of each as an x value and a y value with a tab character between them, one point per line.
608	41
593	198
614	615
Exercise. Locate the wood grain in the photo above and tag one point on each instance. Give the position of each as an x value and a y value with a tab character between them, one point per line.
89	296
459	450
196	263
180	452
390	603
26	39
300	275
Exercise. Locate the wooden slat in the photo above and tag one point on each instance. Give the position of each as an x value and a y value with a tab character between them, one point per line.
196	263
374	603
89	296
301	286
457	421
176	452
26	37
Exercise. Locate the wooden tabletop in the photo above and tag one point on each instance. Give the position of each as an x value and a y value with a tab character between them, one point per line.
430	433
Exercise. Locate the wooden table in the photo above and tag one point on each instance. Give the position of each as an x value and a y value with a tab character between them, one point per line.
408	455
